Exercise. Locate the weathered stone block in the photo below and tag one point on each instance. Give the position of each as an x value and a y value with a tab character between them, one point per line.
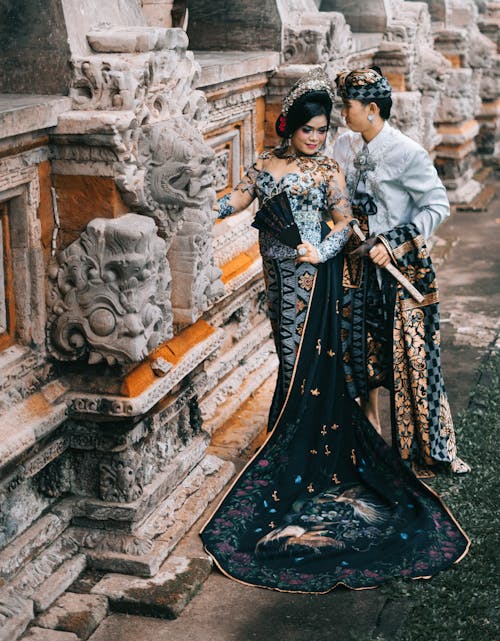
42	634
29	544
164	596
77	613
15	614
146	564
175	516
125	517
60	581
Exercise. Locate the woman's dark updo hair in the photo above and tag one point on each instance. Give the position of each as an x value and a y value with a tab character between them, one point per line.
311	104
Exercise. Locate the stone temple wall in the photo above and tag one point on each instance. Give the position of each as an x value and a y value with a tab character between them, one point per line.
132	324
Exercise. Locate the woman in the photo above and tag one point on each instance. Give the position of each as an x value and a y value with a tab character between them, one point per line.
324	501
391	340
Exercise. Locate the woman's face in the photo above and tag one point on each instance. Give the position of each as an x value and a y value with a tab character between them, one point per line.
356	115
309	138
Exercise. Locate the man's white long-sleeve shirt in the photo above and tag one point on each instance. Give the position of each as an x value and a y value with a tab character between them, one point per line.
400	177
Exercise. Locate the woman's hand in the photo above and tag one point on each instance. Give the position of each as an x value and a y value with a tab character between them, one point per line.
379	255
307	253
216	207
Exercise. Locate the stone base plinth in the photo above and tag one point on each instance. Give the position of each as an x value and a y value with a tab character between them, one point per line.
164	596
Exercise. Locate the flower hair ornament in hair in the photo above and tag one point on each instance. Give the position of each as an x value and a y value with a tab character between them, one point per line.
281	125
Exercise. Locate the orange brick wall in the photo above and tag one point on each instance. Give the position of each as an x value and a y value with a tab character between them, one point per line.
83	198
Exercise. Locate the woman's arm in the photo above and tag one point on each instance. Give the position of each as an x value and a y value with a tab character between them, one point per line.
340	213
241	196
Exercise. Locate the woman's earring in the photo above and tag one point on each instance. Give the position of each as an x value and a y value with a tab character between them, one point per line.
370	117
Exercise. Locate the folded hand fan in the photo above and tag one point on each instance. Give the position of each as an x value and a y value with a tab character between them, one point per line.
275	217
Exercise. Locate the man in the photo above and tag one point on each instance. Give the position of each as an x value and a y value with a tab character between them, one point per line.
389	338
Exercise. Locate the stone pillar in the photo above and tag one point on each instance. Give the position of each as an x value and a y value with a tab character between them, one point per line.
373	16
234	26
488	139
459	103
311	38
158	13
416	71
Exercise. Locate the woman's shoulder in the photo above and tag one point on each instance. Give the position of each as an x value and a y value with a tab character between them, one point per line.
328	164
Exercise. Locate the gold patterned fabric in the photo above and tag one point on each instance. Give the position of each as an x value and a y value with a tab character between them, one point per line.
422	421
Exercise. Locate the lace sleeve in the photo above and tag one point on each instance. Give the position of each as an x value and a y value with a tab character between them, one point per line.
339	205
332	244
242	195
339	208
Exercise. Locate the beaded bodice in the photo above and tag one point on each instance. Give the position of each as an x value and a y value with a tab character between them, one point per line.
313	193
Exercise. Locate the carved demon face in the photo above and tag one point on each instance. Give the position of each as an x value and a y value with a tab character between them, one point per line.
109	293
179	164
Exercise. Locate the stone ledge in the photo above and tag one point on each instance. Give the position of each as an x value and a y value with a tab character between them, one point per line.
28	422
136	39
20	114
218	67
142	388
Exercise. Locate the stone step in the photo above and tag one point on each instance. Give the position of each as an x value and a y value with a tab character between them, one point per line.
221	405
164	596
178	513
246	426
76	613
42	634
15	614
40	568
58	582
31	543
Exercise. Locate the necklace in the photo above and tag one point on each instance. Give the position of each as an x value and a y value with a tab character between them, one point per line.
291	155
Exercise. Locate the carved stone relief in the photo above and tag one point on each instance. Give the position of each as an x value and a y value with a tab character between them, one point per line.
407	114
121	478
108	293
311	37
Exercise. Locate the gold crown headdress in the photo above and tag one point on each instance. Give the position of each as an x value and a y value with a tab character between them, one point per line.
315	80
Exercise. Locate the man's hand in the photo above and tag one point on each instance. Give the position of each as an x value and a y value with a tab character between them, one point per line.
379	255
362	250
307	253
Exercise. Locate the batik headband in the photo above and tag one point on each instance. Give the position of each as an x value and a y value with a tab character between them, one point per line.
363	84
316	80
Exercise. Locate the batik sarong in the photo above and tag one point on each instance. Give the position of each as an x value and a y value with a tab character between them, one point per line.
422	424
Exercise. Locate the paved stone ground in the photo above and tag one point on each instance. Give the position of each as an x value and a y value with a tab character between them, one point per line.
466	255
